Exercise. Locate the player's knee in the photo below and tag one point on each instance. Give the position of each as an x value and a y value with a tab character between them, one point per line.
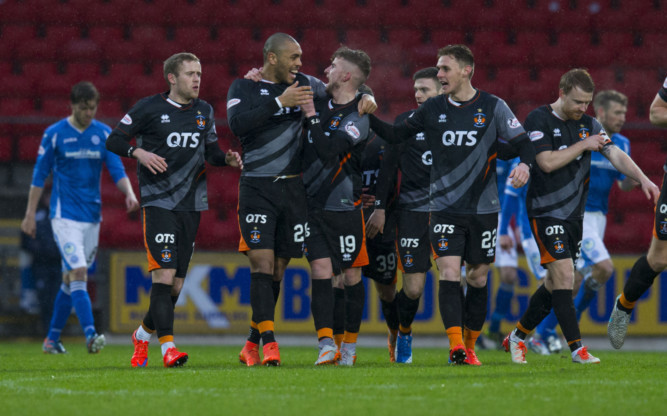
413	291
80	274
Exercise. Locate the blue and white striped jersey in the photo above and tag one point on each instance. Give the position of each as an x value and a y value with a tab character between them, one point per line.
75	158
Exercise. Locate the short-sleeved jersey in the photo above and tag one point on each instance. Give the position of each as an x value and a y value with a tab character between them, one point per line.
414	161
178	133
463	138
516	207
76	157
335	184
270	136
603	176
562	193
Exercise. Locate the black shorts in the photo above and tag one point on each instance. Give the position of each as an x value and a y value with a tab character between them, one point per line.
169	237
340	236
381	260
470	236
272	215
660	223
412	240
557	239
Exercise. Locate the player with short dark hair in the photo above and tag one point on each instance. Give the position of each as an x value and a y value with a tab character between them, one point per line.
175	133
73	151
647	267
336	242
464	129
410	225
564	137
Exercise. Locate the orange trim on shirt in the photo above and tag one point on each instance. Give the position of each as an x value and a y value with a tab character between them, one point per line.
342	162
488	164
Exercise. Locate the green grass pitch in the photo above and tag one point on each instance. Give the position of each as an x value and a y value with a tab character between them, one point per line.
214	383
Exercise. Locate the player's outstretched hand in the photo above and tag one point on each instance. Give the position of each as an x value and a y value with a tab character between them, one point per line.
375	223
520	175
156	164
367	105
233	159
294	95
255	74
651	191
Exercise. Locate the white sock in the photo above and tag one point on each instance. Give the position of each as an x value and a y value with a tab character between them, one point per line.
143	335
166	346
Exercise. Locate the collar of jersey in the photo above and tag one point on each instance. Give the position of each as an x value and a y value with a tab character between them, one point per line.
464	103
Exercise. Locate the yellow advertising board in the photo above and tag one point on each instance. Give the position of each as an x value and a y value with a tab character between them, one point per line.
216	298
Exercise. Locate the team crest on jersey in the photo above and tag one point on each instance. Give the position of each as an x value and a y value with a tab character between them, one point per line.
663	227
255	236
559	247
352	130
69	248
443	244
201	122
166	255
408	260
334	123
304	249
583	132
95	140
479	119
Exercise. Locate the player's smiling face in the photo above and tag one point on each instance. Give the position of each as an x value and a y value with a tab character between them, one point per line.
288	63
451	74
83	113
185	85
425	88
575	103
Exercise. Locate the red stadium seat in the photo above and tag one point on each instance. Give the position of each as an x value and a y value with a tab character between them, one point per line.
120	229
84	70
364	39
81	50
605	78
17	107
27	148
17	33
15	11
318	45
16	86
56	107
6	148
35	71
406	38
122	51
443	37
37	49
58	35
103	34
111	108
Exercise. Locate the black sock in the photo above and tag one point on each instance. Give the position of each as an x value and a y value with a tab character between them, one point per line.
162	309
641	278
390	311
407	309
475	307
322	303
539	307
261	297
339	311
275	285
355	297
148	319
254	336
567	316
449	298
267	337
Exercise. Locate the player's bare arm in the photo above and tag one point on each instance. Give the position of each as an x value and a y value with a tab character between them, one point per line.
125	186
29	225
658	113
624	164
156	164
550	161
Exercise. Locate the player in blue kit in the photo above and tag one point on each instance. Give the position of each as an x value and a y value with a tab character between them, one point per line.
73	150
647	267
514	206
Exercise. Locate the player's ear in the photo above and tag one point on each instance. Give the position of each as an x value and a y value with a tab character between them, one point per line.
172	78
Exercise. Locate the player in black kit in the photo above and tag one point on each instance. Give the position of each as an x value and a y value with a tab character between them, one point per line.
564	137
267	118
647	267
413	158
336	243
175	134
463	129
